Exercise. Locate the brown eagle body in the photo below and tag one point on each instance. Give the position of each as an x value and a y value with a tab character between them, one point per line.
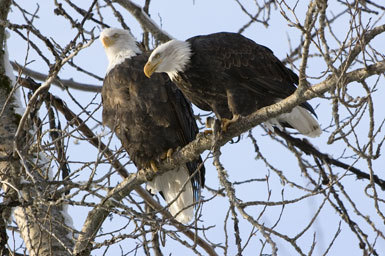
151	116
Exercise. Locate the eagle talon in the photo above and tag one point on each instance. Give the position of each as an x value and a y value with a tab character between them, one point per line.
226	122
154	168
169	153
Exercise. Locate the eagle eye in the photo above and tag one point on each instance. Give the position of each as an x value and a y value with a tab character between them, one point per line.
156	56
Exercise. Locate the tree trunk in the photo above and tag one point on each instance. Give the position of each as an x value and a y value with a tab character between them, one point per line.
42	226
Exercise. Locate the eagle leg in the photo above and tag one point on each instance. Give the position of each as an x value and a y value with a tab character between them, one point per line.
226	122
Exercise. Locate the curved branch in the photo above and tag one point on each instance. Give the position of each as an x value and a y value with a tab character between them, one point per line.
362	41
43	88
145	21
69	83
306	147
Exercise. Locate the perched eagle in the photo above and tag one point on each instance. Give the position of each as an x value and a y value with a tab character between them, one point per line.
150	117
232	76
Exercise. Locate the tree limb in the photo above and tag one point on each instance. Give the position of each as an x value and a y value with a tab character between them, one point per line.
146	22
306	147
68	83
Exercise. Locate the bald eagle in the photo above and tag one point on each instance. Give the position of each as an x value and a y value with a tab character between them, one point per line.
150	117
232	76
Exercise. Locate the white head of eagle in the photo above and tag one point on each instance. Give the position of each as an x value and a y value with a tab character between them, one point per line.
171	57
119	45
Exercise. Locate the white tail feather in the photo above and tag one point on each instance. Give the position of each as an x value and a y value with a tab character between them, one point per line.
171	183
300	119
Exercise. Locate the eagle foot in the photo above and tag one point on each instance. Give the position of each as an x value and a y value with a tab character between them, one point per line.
167	154
226	122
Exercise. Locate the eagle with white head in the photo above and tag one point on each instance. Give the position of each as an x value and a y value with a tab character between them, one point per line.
150	117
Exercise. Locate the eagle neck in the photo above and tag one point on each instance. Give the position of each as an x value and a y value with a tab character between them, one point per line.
179	58
117	56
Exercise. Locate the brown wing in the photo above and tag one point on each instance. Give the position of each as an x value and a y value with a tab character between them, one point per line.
236	61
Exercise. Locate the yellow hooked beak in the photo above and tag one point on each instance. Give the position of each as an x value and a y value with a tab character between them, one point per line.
107	41
150	68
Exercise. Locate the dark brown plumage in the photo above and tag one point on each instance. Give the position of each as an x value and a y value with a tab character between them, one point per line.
236	60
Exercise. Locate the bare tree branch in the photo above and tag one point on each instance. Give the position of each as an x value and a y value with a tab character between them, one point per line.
62	83
146	22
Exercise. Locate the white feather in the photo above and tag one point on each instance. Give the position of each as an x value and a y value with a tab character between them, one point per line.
301	120
171	183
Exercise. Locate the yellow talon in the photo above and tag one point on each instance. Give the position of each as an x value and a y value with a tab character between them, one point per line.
169	153
154	168
226	122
